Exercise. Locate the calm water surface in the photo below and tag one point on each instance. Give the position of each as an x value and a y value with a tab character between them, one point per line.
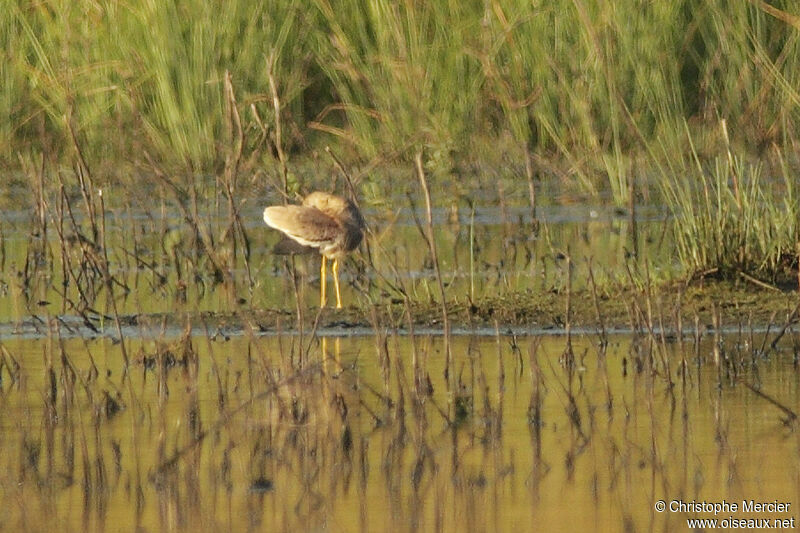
257	434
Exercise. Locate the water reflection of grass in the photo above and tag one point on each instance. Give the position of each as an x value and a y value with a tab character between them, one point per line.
204	434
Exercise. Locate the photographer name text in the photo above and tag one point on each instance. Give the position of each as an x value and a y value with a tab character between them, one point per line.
724	506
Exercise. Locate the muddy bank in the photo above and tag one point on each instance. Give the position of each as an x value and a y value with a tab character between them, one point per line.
670	307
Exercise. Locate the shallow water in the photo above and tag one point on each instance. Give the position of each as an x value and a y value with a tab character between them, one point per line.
157	267
185	426
255	434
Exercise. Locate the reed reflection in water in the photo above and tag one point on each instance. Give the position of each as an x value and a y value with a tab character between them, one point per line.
361	434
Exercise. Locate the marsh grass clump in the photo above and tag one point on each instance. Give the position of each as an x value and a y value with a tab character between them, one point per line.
732	219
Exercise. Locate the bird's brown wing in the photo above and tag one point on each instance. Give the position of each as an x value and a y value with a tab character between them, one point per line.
289	246
306	225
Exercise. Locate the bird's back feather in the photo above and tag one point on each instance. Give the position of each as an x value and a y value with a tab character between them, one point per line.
307	225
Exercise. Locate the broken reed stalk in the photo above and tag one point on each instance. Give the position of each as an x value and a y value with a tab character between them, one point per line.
501	375
296	287
529	173
381	346
65	213
350	185
645	316
598	315
187	205
791	415
659	343
471	253
41	213
432	246
278	145
633	222
84	176
235	226
276	107
2	249
791	319
651	335
312	334
504	220
110	284
37	249
59	225
568	356
351	188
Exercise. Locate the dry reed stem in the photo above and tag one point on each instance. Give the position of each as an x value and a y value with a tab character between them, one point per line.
276	108
232	162
434	257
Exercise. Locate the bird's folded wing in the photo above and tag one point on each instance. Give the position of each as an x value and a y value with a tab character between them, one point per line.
307	225
289	246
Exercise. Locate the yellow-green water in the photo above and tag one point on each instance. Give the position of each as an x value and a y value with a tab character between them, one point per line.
263	434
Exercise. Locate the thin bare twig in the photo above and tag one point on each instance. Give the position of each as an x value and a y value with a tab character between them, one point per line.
434	257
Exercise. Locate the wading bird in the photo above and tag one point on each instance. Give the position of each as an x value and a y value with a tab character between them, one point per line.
329	224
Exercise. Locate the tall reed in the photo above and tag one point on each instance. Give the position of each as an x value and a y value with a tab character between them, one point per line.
403	74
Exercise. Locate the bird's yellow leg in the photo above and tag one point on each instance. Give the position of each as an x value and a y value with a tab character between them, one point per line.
336	283
322	282
325	355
